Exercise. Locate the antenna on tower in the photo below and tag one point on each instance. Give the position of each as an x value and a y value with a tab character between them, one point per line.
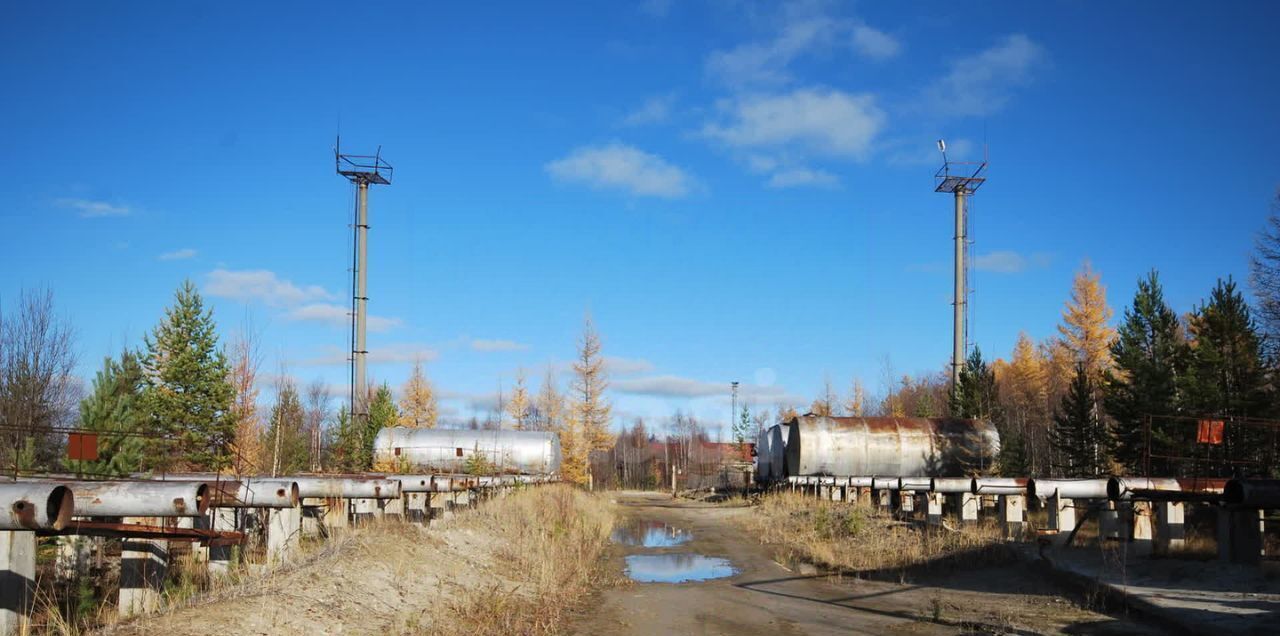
362	170
961	179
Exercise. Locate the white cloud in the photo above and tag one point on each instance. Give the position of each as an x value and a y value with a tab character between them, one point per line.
178	255
804	29
874	44
627	366
622	167
404	353
982	83
672	386
802	177
654	110
91	209
1009	261
339	315
261	285
489	346
825	121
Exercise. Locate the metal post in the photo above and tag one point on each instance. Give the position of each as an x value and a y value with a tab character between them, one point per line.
961	293
359	401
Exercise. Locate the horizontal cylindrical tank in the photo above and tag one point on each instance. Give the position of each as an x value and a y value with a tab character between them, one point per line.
141	498
889	446
35	505
448	450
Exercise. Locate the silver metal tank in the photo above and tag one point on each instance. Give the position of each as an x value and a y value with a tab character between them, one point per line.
764	467
890	446
447	451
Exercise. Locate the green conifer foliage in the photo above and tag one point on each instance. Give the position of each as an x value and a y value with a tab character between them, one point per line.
1079	434
113	411
285	442
187	395
1150	359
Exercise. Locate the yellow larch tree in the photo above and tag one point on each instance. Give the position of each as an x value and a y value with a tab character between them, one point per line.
856	405
1024	393
247	449
587	427
418	407
518	406
1085	332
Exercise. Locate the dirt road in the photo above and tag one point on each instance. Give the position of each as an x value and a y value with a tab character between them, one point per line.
763	597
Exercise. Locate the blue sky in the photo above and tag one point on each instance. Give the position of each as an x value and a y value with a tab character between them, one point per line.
734	191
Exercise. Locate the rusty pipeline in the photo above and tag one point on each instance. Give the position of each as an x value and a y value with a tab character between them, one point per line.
1253	493
141	498
35	505
1125	488
1067	488
998	486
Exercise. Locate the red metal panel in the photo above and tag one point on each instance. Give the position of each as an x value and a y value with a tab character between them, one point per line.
82	446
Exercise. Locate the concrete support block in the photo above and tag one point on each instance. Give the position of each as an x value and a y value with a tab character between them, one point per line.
17	580
906	502
824	492
1240	535
462	498
72	561
337	513
363	511
1013	510
1170	532
393	507
416	507
1140	528
1108	522
1062	518
144	563
284	533
933	508
438	507
220	556
312	516
864	495
969	506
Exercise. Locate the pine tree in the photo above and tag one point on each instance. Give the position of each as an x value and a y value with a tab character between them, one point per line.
978	398
1150	356
418	407
382	414
345	444
112	411
1227	375
518	406
285	436
1079	434
188	397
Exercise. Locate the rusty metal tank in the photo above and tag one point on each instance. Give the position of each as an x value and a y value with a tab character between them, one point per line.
446	451
889	446
778	448
764	458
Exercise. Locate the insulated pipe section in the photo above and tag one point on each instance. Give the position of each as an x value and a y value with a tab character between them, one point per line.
33	505
884	483
998	486
914	484
1125	488
1068	488
1253	493
413	483
950	485
348	487
141	498
266	493
861	482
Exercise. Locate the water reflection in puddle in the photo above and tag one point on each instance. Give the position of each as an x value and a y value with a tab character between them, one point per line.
650	534
676	568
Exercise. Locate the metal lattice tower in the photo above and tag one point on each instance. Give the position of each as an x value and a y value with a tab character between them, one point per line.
363	171
961	179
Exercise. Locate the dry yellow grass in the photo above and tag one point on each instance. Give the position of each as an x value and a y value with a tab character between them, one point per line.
860	539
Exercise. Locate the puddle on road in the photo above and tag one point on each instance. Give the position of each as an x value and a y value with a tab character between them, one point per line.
677	568
650	534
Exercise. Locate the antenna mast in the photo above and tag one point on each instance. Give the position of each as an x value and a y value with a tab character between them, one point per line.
961	179
362	170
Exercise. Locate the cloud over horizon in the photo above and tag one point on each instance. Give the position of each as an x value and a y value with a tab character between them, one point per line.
617	166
